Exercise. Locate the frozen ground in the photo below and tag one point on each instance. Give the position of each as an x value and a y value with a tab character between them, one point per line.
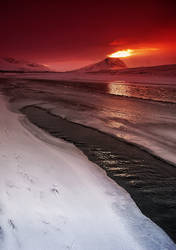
149	124
53	198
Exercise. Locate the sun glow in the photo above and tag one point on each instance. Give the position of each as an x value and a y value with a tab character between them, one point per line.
133	52
122	53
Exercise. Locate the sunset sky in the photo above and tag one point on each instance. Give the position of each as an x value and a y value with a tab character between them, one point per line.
70	34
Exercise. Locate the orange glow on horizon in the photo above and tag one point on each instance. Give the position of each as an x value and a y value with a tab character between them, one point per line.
132	52
121	53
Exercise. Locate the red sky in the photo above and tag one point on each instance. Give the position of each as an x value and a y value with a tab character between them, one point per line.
71	34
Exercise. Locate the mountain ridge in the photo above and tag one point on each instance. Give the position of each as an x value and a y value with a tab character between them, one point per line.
13	64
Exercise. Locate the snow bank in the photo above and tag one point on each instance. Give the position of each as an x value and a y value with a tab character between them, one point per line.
53	198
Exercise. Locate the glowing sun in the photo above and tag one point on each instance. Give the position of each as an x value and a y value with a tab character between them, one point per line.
121	53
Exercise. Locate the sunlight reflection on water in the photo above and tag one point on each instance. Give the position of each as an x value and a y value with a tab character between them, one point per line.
166	93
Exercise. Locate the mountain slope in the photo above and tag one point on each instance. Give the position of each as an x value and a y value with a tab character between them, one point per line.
12	64
104	65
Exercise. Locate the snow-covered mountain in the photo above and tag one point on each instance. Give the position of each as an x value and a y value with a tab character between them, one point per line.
104	65
12	64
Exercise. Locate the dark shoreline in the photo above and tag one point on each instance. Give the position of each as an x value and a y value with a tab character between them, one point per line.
150	181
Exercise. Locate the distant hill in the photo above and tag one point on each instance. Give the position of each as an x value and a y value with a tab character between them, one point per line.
159	70
12	64
107	64
115	66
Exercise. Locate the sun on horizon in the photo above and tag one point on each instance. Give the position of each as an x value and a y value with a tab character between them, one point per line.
121	53
133	52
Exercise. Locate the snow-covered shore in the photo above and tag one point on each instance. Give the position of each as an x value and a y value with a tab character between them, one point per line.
52	197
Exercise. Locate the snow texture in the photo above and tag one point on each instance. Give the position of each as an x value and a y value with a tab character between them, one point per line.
53	198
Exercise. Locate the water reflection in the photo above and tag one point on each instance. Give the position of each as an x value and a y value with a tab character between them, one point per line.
119	88
154	92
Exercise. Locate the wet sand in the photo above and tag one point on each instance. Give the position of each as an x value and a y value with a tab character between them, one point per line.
150	181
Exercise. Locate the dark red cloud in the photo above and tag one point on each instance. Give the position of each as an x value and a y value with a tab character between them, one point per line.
83	31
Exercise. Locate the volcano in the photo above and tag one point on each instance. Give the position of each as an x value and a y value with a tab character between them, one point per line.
107	64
